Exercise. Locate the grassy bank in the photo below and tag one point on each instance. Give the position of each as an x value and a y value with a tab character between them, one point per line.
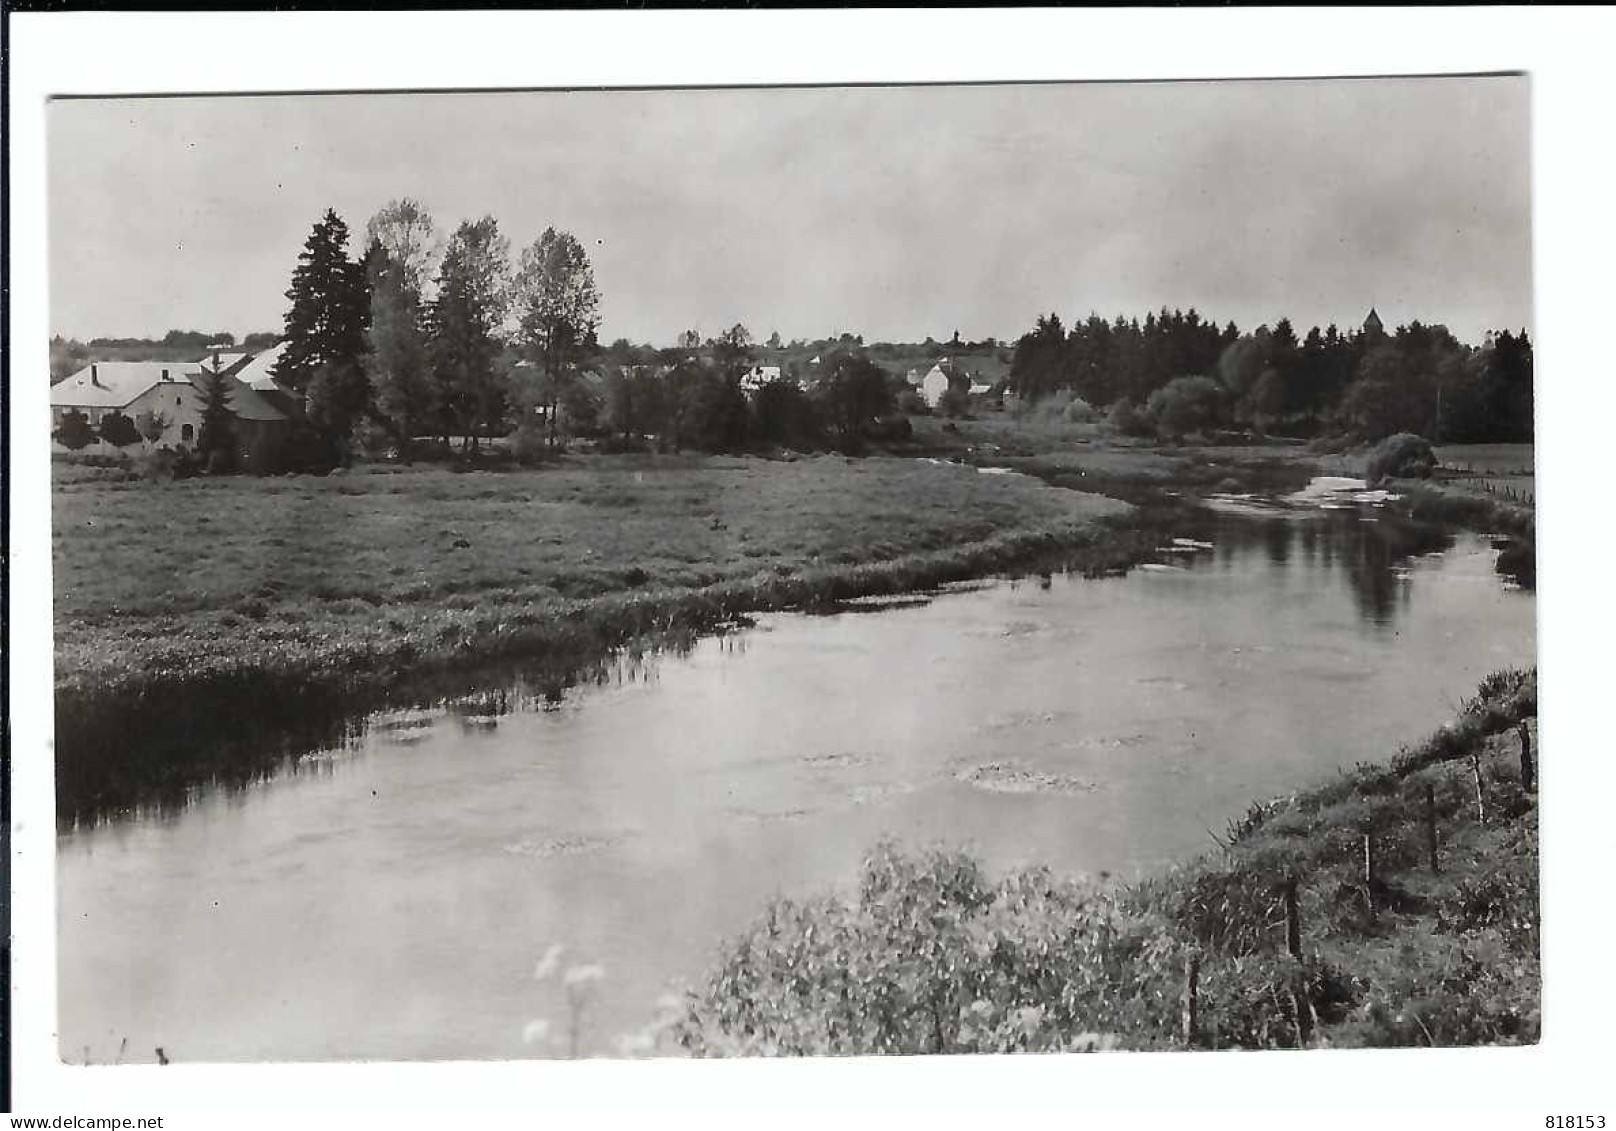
180	605
936	956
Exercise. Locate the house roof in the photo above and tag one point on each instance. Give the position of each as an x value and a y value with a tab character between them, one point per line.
259	373
247	403
226	361
113	384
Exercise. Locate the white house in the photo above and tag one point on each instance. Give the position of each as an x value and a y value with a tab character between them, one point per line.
758	376
162	391
128	387
934	385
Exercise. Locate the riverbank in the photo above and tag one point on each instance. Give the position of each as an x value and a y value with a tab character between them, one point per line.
183	607
1284	937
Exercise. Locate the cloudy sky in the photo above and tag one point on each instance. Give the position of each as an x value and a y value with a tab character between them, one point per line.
891	212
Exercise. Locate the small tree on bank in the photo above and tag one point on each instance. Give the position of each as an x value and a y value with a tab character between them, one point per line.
216	439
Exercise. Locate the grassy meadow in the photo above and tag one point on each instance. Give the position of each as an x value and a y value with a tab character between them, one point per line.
385	566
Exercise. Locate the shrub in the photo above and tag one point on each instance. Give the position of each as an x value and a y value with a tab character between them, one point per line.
221	461
911	402
1185	405
528	444
1125	419
1403	456
118	430
616	445
889	429
954	403
151	425
74	432
934	957
157	466
785	416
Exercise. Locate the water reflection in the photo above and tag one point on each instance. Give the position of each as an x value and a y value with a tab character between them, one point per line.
1372	550
199	747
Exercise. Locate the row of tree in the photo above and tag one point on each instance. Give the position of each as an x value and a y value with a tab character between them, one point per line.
413	339
421	339
1368	384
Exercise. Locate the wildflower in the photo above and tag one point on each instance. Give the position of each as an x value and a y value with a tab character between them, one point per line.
548	964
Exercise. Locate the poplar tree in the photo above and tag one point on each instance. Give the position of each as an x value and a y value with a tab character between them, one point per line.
466	322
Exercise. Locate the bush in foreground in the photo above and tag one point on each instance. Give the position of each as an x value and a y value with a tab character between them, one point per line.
931	957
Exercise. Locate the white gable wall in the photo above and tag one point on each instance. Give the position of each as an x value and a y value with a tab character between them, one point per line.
933	385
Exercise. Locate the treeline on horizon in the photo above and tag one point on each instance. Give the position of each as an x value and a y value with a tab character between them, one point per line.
417	340
68	355
1176	372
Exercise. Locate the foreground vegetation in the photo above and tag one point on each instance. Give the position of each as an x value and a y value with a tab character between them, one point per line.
1284	938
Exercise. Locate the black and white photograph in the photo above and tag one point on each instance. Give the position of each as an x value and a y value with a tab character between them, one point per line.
792	570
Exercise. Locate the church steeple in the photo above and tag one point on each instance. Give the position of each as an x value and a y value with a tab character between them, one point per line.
1373	324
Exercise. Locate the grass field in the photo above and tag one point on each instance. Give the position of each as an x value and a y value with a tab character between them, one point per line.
230	574
1505	472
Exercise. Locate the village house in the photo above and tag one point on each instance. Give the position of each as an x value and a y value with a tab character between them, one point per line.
758	376
935	383
165	394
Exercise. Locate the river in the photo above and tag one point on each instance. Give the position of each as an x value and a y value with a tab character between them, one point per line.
390	897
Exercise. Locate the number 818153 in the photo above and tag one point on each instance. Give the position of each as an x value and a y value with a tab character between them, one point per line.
1574	1122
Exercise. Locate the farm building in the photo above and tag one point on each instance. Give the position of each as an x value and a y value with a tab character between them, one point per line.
165	394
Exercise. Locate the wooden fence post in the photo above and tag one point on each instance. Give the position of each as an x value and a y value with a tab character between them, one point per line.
1481	797
1369	870
1430	825
1191	1002
1528	774
1302	1008
1293	920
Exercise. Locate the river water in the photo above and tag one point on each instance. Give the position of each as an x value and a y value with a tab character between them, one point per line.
390	898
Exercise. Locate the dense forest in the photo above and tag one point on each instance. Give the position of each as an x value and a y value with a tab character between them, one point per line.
1366	384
